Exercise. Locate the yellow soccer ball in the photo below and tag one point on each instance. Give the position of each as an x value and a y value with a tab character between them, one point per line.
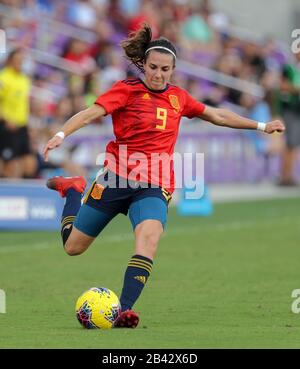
97	307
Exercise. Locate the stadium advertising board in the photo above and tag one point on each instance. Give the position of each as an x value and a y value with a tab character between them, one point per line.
29	206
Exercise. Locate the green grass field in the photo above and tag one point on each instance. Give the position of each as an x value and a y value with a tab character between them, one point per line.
218	282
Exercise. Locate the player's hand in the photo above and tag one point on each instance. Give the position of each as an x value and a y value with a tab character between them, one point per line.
274	126
51	144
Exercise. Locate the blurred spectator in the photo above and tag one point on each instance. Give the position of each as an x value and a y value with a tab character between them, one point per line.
82	13
253	58
231	64
169	30
149	14
258	110
215	97
78	52
117	16
92	88
113	72
15	151
130	7
289	107
182	9
273	56
42	130
197	32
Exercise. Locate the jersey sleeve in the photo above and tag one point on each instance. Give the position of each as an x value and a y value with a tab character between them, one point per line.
192	107
115	98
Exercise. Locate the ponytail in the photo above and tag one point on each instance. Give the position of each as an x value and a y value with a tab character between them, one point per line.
139	44
136	45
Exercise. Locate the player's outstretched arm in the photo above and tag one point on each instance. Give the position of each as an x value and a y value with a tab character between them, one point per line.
226	118
76	122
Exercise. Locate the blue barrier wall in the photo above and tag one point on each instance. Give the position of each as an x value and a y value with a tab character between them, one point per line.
29	205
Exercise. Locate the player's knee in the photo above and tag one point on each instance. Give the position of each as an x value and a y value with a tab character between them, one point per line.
73	250
148	238
148	246
151	240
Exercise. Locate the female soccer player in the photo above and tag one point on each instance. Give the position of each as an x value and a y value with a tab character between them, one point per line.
146	115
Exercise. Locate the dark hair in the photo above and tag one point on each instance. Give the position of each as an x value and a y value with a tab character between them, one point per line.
12	54
138	42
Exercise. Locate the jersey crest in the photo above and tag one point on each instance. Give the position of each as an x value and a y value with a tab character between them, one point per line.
174	102
97	191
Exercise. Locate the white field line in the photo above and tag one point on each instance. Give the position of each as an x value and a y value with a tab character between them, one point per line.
15	248
174	232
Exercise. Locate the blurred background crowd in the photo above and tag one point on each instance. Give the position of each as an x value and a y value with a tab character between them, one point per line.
60	55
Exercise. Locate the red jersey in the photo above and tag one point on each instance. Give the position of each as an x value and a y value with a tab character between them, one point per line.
146	124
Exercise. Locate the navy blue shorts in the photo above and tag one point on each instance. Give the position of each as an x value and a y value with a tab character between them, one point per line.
104	201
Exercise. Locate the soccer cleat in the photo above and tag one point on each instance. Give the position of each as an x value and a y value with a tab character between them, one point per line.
127	319
63	184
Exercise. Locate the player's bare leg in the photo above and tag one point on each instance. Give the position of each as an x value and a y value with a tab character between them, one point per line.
77	242
147	235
